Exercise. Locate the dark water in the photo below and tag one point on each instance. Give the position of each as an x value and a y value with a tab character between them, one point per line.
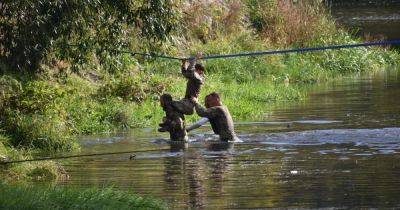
341	149
381	21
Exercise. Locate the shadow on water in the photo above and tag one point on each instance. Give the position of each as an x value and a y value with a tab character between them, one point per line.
340	148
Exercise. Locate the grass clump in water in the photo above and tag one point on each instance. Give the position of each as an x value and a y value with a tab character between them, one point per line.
41	171
29	197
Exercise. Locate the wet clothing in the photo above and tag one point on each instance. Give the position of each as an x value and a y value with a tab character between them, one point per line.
175	110
174	123
184	106
195	81
220	120
177	131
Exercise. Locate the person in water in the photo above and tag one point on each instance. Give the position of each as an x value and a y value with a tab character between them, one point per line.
218	115
174	121
175	110
194	73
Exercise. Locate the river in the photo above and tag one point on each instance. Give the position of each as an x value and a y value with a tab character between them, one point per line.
377	21
339	148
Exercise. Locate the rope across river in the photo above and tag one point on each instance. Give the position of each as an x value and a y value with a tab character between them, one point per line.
259	53
82	155
223	56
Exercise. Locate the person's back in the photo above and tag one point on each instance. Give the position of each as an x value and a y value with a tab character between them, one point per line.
220	119
222	123
174	121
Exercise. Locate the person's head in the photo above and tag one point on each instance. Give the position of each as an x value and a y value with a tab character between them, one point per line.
165	99
212	99
199	68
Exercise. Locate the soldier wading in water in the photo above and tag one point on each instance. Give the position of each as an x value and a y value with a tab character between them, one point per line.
175	110
218	115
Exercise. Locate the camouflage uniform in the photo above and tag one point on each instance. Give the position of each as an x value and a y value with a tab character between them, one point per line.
220	120
174	123
195	81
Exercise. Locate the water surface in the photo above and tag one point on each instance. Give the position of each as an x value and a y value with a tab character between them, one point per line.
379	21
340	148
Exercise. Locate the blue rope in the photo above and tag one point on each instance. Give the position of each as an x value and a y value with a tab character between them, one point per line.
147	54
302	50
299	50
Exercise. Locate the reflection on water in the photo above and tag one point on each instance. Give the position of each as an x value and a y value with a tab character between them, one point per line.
371	20
340	148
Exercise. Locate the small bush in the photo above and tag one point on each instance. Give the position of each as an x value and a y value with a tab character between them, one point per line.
34	171
289	22
39	96
3	151
43	173
10	92
39	132
134	88
212	19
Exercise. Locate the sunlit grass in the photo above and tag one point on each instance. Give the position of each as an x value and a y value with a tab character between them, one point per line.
29	197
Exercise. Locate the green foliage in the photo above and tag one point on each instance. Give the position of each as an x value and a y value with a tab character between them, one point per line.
133	87
30	171
28	197
39	96
289	22
261	13
43	173
10	90
36	131
32	114
3	151
31	30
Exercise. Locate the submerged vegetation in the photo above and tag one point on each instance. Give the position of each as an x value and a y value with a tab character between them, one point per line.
28	197
60	77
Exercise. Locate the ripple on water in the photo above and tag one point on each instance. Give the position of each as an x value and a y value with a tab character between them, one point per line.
385	140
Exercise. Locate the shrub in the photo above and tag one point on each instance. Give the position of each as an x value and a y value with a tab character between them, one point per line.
31	30
3	152
288	22
39	96
33	171
39	132
212	19
136	88
10	92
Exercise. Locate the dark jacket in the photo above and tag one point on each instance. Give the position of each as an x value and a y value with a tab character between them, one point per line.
175	123
220	120
195	81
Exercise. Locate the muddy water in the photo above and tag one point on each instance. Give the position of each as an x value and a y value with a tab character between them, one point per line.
340	148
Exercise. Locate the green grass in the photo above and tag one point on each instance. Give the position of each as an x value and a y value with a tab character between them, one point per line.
3	150
29	197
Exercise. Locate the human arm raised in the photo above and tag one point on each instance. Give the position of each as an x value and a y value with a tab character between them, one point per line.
188	68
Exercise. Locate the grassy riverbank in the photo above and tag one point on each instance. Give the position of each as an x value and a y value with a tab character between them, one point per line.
28	197
45	109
